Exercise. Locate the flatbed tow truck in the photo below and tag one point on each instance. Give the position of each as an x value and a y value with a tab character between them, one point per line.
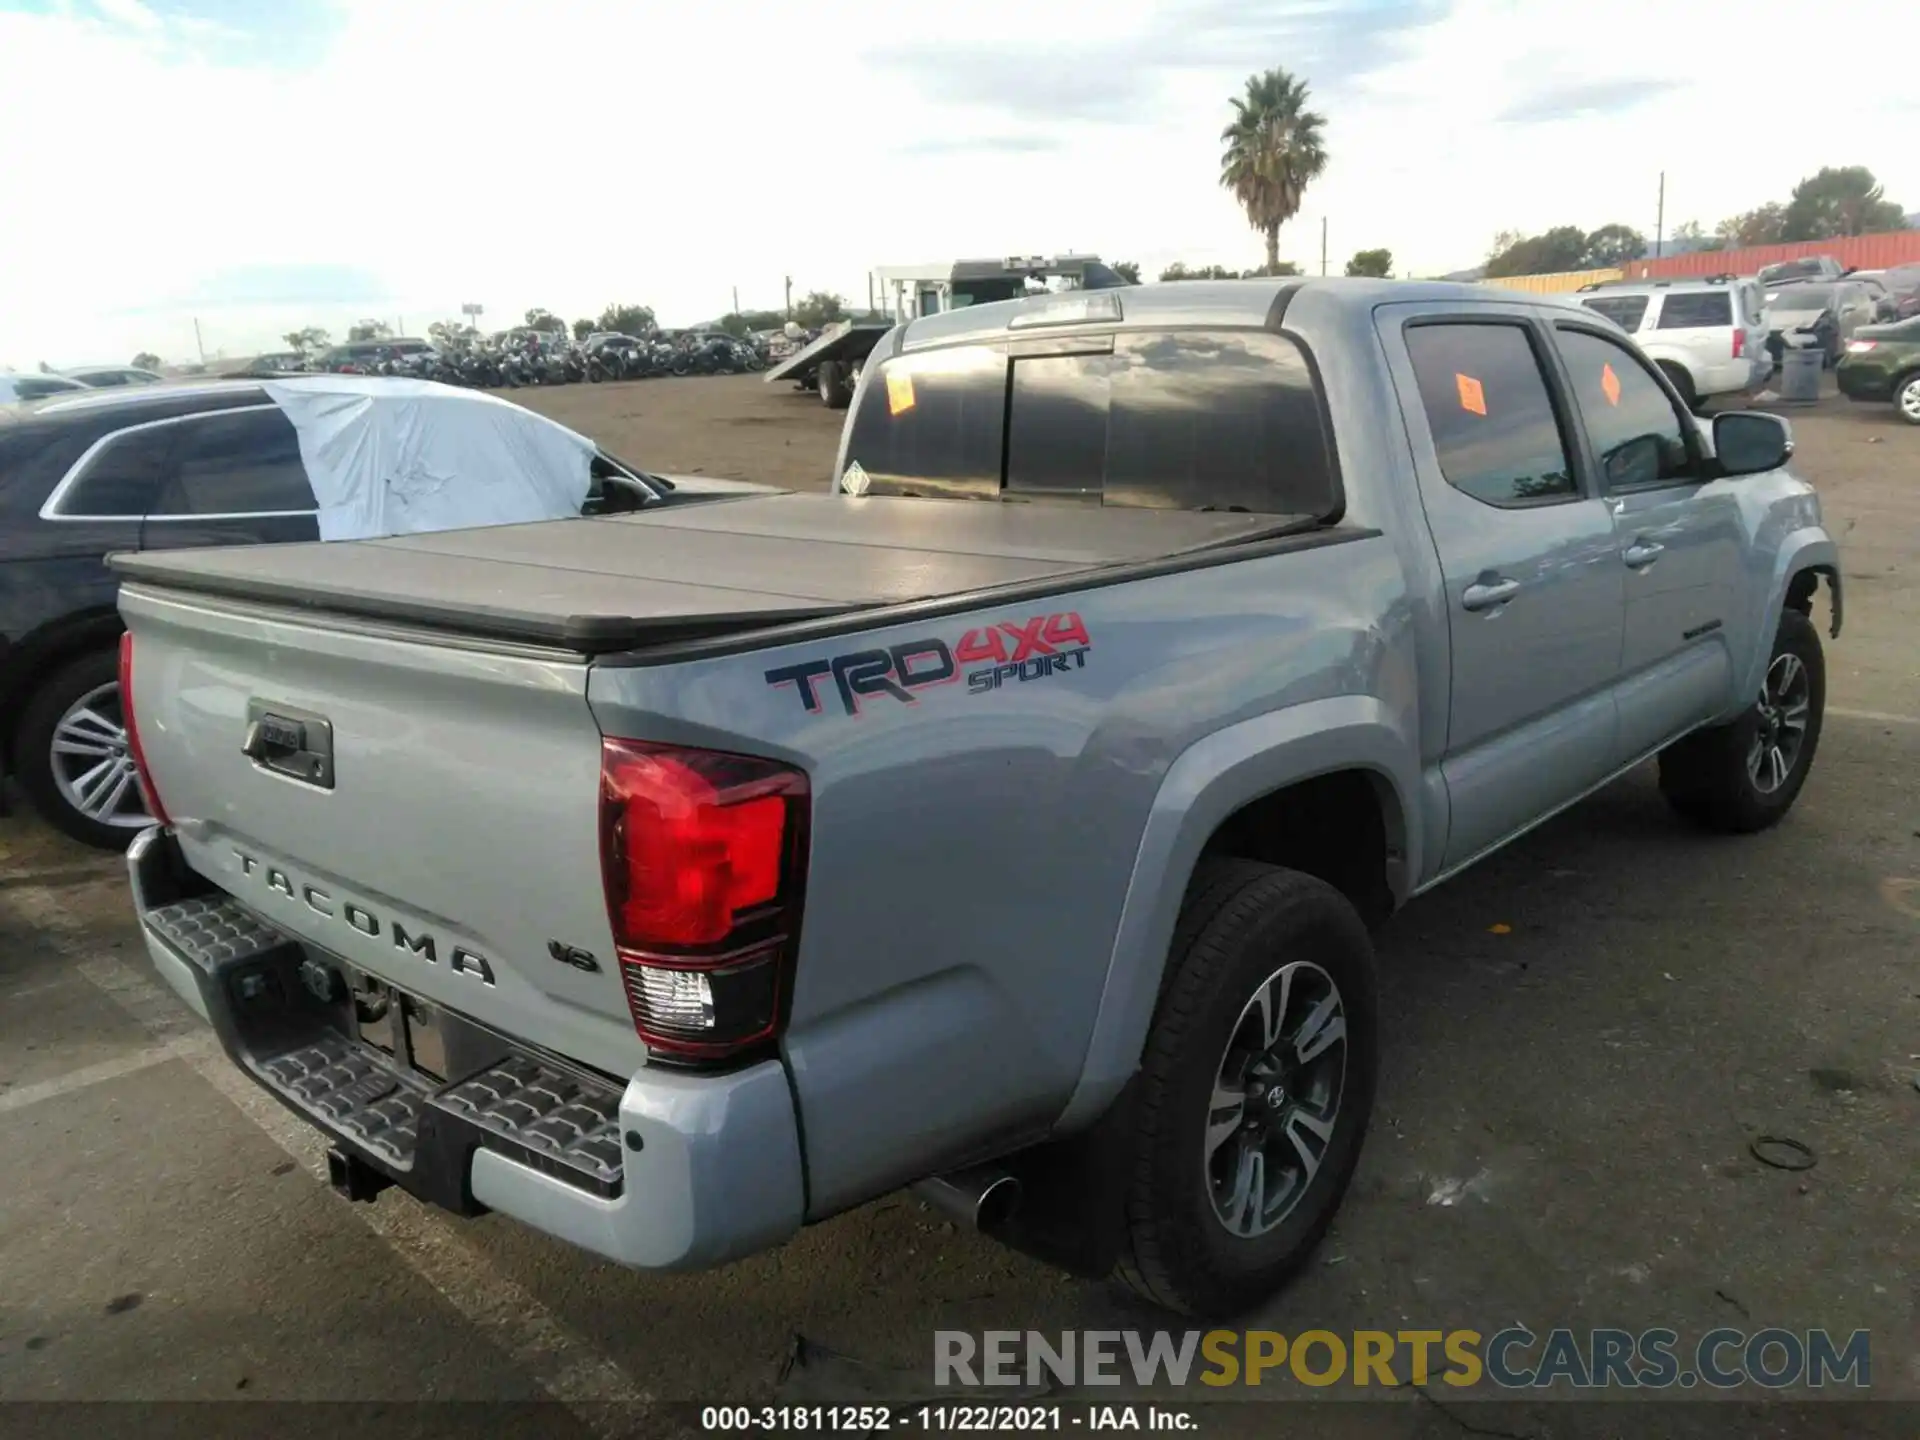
831	365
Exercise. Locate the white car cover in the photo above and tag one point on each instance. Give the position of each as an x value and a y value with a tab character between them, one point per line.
389	456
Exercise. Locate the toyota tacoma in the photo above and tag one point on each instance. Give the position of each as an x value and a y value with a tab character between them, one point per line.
1007	822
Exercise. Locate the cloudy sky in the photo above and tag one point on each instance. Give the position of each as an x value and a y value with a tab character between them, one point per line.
262	164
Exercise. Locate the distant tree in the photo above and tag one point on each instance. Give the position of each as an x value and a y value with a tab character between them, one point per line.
369	330
1377	263
1278	267
627	319
734	323
307	340
1692	236
763	319
145	360
1128	271
45	368
819	308
1179	271
1557	250
1763	225
546	322
1612	245
582	329
1275	148
1840	201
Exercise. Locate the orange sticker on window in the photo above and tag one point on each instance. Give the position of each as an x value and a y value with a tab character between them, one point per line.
899	391
1610	383
1472	397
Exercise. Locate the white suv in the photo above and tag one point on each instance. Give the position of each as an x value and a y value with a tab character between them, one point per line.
1709	336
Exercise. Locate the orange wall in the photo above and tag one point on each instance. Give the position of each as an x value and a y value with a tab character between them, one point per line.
1858	252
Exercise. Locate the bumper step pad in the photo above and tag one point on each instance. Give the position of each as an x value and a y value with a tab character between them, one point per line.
558	1121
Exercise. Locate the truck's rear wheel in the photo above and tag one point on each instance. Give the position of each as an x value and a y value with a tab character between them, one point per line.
836	393
1254	1091
1744	776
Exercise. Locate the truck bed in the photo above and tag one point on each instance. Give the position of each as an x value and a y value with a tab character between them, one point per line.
694	571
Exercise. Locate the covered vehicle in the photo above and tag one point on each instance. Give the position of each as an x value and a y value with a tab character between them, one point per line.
230	463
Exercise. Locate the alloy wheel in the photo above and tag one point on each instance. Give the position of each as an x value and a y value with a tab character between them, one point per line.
92	762
1782	712
1276	1099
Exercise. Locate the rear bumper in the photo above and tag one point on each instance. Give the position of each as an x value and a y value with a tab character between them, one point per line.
1864	384
670	1171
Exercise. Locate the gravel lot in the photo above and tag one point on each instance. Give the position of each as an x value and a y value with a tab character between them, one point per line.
1583	1036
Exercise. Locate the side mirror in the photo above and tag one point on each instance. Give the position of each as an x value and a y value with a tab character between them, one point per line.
1747	442
1636	462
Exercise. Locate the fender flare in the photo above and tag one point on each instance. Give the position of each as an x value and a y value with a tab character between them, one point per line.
1209	781
1809	551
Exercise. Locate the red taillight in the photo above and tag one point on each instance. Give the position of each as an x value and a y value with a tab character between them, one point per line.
1739	342
152	795
703	855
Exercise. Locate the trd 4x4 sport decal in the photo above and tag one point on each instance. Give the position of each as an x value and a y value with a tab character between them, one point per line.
1015	651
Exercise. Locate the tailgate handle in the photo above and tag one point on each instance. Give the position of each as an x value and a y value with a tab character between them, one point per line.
298	746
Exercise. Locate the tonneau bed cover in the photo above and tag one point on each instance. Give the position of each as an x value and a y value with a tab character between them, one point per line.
694	570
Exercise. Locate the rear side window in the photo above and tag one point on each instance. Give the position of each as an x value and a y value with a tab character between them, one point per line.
1626	311
121	477
34	387
1696	311
239	462
1486	402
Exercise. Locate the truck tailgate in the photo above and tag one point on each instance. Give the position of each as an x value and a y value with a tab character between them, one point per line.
452	837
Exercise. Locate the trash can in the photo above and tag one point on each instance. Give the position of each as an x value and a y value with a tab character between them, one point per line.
1800	367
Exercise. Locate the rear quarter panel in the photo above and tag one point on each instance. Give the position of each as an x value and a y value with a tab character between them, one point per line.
972	850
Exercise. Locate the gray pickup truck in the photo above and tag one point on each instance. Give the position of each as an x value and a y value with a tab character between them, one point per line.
1009	821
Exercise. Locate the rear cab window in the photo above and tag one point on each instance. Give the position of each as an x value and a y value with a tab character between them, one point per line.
1187	420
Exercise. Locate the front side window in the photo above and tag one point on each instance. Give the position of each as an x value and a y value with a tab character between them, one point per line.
238	462
119	481
1637	434
1493	424
1696	312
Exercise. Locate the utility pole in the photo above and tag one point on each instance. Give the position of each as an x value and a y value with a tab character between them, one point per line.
789	297
1323	245
1660	218
736	299
198	344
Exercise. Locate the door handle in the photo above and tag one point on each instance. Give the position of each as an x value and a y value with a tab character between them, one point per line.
1642	553
1487	594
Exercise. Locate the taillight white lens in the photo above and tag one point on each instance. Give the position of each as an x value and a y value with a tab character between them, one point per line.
1859	347
703	858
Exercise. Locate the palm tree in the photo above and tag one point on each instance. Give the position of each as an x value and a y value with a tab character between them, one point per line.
1274	148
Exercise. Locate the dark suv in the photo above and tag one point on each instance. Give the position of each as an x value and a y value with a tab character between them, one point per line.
126	469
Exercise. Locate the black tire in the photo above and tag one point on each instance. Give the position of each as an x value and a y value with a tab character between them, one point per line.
1241	922
1682	383
33	753
1905	405
1707	777
831	381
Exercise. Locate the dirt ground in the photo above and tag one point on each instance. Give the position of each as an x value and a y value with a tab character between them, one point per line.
1583	1036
